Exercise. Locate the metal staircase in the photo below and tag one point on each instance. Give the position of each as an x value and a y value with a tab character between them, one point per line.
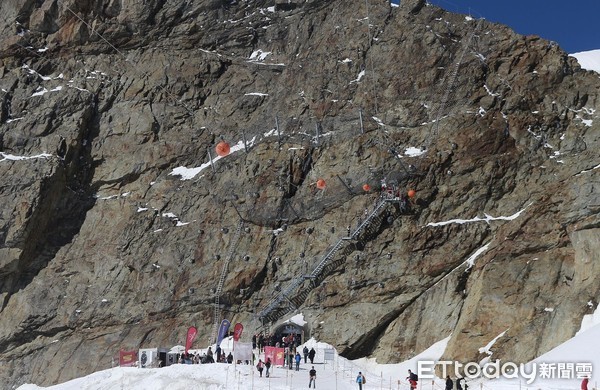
219	289
292	296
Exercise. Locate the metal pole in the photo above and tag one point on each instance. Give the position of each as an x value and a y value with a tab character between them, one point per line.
211	161
345	185
362	128
317	132
291	207
278	133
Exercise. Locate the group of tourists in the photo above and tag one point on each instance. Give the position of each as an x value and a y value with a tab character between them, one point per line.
450	383
261	366
261	341
205	358
292	358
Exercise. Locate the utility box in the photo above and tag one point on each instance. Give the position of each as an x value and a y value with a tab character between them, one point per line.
171	358
153	357
148	357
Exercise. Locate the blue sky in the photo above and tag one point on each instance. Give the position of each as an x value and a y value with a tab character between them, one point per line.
574	25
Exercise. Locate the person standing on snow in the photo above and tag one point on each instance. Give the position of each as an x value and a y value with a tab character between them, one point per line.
298	358
218	351
311	355
305	352
412	379
259	367
267	366
449	383
313	377
290	358
360	379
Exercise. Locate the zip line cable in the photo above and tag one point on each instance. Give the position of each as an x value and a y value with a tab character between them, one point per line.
433	131
371	56
93	30
119	52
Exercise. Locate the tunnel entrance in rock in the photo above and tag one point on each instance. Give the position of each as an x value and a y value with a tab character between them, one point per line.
289	334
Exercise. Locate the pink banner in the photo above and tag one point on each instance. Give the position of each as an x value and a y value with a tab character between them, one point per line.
276	355
191	335
237	331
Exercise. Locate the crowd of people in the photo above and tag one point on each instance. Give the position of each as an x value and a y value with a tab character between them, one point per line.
262	340
206	357
293	357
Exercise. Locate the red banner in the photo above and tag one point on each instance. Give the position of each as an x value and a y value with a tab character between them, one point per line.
276	355
127	358
237	331
191	335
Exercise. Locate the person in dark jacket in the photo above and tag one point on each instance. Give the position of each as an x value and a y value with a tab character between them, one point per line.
458	384
412	378
305	352
267	366
313	377
219	352
260	367
290	358
261	342
311	355
449	383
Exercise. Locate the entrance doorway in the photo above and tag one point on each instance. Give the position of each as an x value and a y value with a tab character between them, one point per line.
289	335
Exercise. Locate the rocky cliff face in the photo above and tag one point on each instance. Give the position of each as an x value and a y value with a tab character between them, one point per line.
109	238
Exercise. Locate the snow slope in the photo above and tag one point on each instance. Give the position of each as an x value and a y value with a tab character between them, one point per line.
589	60
337	374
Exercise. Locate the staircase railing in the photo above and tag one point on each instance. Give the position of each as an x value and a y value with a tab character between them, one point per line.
219	289
285	295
